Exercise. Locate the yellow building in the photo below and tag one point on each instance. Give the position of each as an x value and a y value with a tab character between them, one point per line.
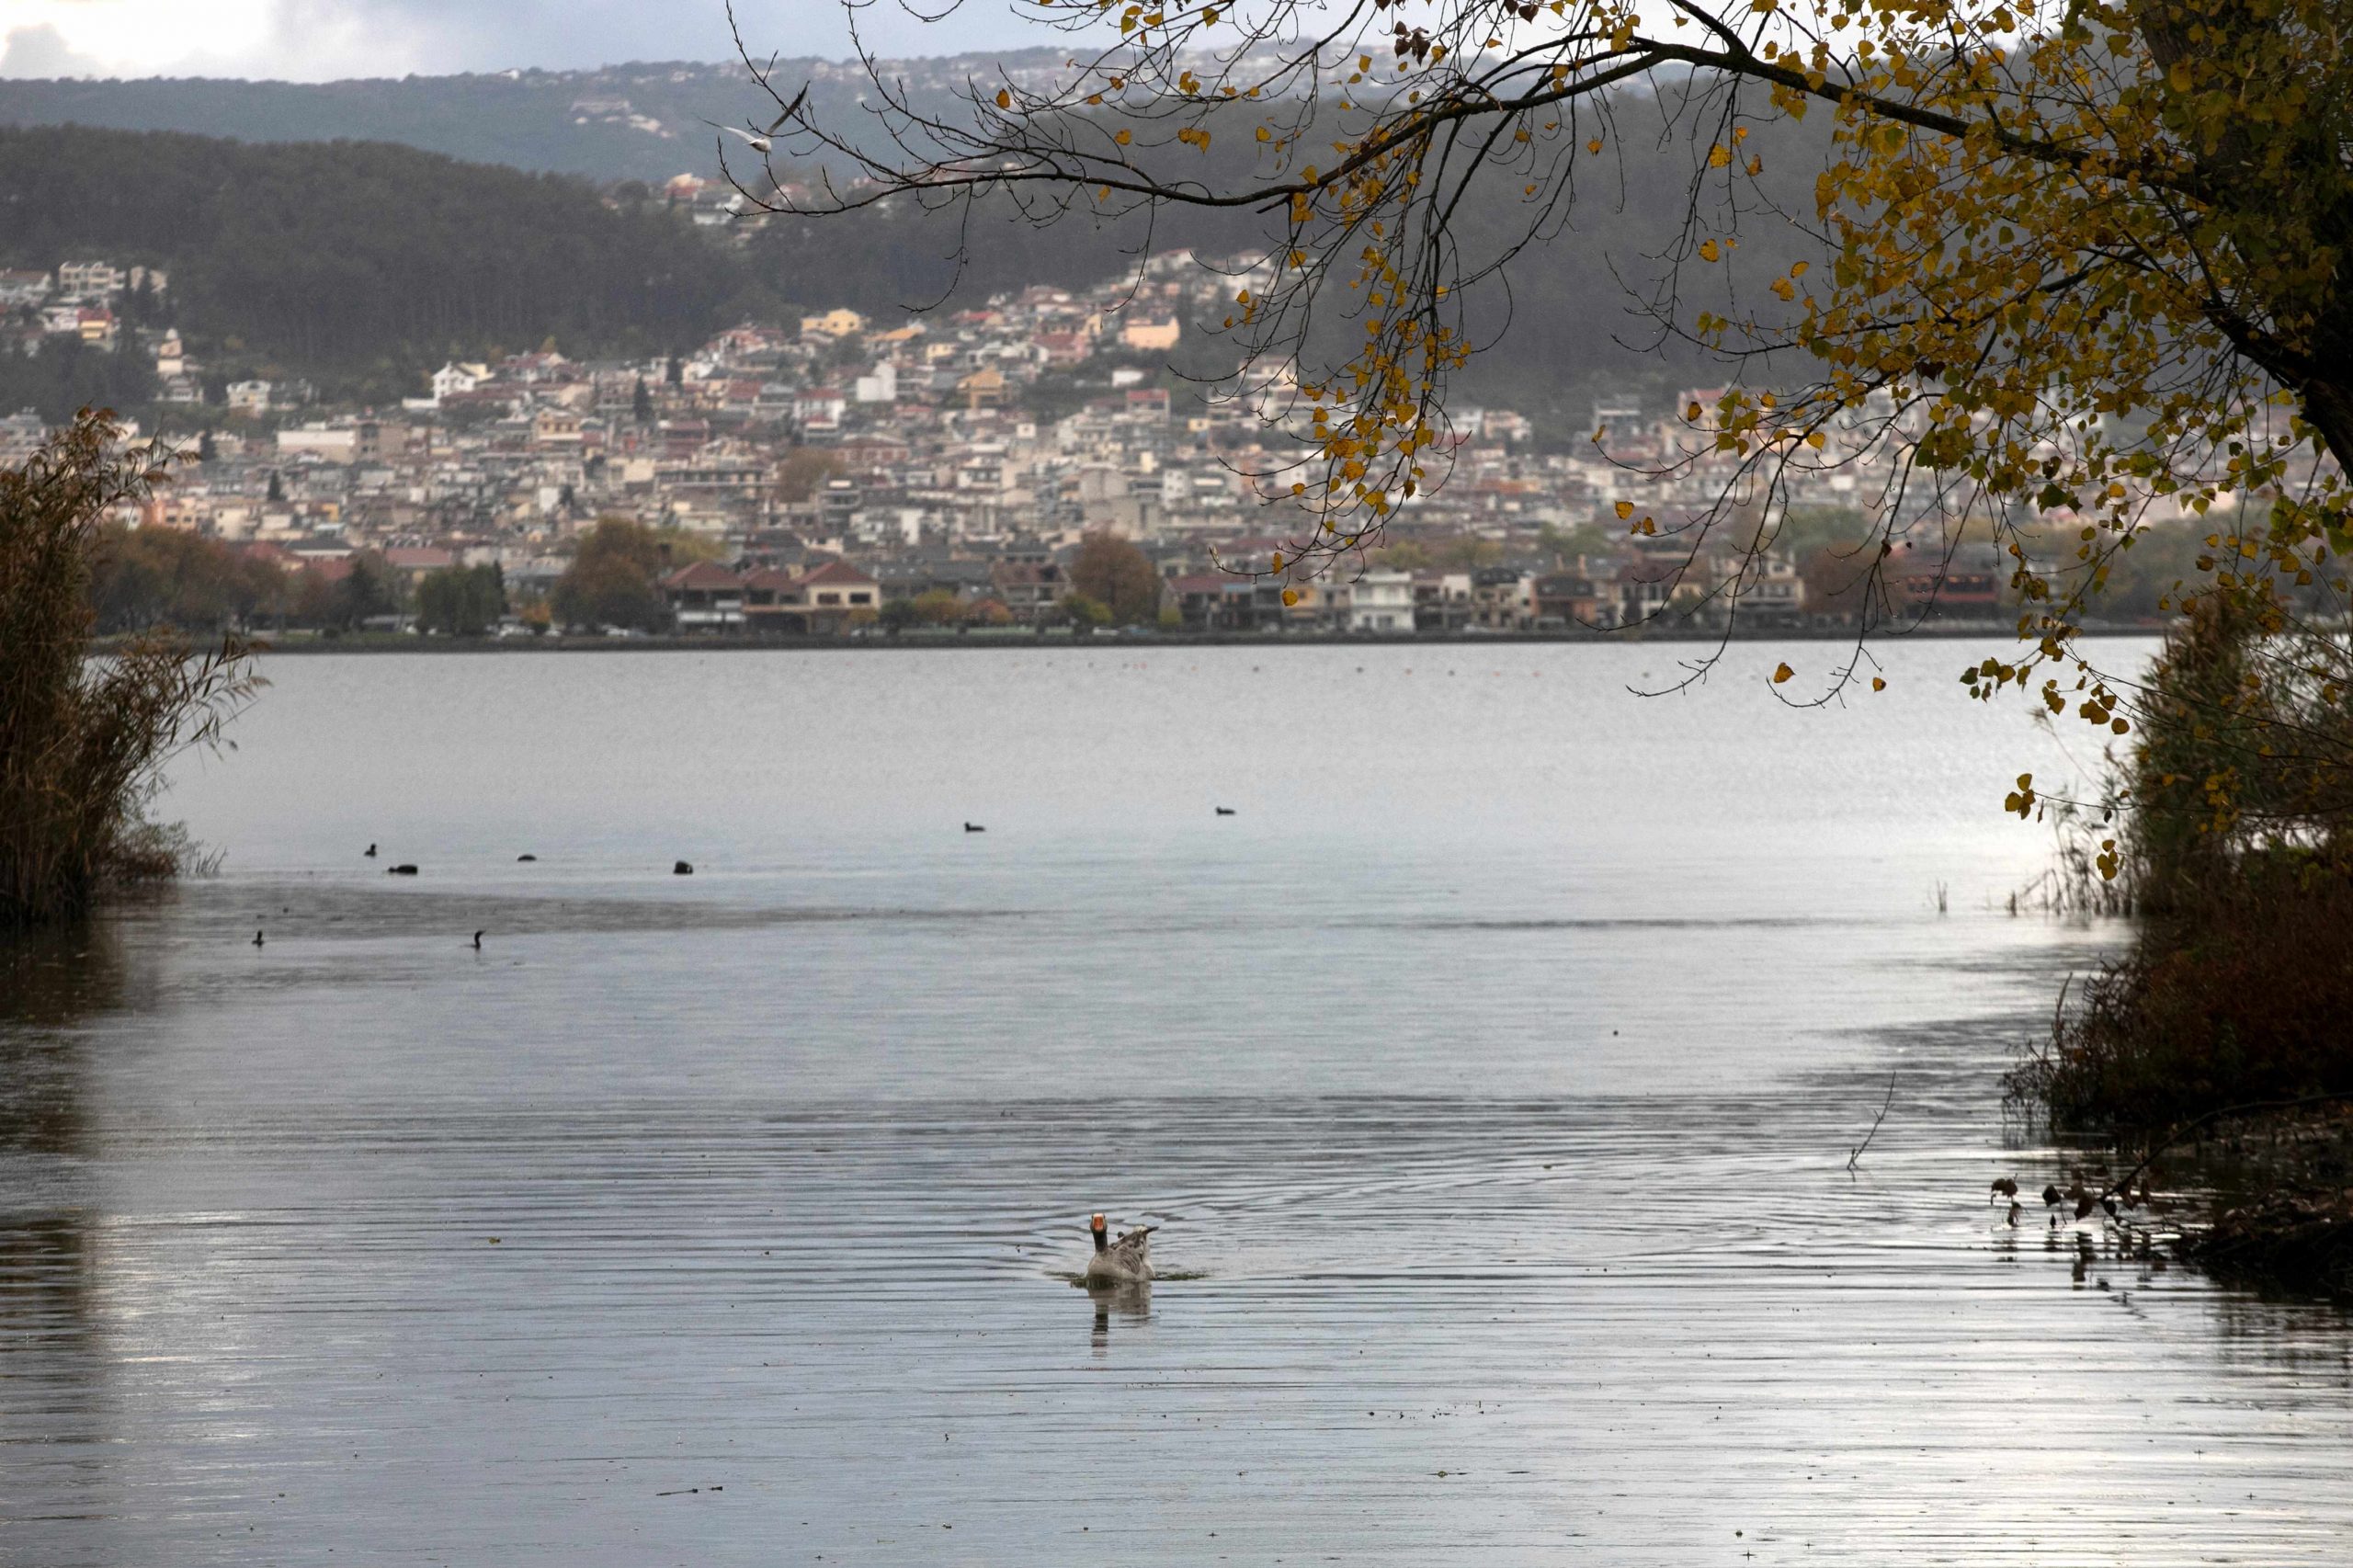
834	324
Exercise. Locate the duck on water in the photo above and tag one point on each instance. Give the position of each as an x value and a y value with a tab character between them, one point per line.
1127	1261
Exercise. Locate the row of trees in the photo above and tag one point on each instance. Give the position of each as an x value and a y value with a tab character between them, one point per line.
138	579
142	579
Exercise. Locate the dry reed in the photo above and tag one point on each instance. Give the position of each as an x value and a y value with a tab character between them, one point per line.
84	738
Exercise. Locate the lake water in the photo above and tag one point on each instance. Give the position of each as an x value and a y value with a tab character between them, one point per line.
1492	1072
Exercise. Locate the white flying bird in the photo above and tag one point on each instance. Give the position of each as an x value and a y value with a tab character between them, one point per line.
758	144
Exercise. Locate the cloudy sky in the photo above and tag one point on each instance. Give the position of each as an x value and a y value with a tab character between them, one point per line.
321	39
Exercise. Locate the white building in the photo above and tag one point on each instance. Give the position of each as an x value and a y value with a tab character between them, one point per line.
90	280
1381	600
319	440
456	378
249	397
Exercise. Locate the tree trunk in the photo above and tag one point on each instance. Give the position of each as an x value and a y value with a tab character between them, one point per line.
2328	408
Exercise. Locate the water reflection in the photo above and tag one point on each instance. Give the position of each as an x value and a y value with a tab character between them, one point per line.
53	1357
1131	1301
52	983
1511	1145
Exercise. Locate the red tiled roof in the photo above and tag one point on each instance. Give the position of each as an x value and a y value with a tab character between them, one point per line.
702	575
834	572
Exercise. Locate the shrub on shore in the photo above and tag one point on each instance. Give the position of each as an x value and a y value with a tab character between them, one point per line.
83	740
2237	846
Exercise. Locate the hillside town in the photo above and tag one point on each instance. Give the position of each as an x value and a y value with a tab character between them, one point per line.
818	476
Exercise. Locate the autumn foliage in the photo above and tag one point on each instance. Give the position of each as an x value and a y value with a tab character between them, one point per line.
2068	265
2237	847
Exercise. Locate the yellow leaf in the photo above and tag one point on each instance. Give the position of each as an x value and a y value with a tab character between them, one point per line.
1878	684
1782	673
1708	251
1625	510
1593	145
1719	155
1122	138
1291	595
2179	76
1004	99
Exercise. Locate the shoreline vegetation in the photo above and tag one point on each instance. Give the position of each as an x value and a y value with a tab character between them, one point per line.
2218	1048
1065	638
83	740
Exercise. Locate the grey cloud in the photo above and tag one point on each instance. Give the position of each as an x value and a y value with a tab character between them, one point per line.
41	52
440	36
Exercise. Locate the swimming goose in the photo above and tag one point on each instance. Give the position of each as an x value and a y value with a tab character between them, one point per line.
1127	1261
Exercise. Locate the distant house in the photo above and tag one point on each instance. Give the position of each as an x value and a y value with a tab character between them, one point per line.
771	594
1503	598
18	287
90	280
834	324
1031	589
705	597
411	561
1969	583
1381	600
1442	601
833	594
341	446
824	600
984	388
1150	336
1562	599
1221	601
819	408
453	377
249	397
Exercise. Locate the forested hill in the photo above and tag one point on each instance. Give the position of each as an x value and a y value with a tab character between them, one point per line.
349	256
647	120
365	265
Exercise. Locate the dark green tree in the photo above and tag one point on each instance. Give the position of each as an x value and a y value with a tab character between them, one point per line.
367	591
461	601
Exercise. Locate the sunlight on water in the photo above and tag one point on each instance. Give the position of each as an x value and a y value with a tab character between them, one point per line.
1490	1073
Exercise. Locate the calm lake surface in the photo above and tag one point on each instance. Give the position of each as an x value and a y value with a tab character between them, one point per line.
1492	1072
